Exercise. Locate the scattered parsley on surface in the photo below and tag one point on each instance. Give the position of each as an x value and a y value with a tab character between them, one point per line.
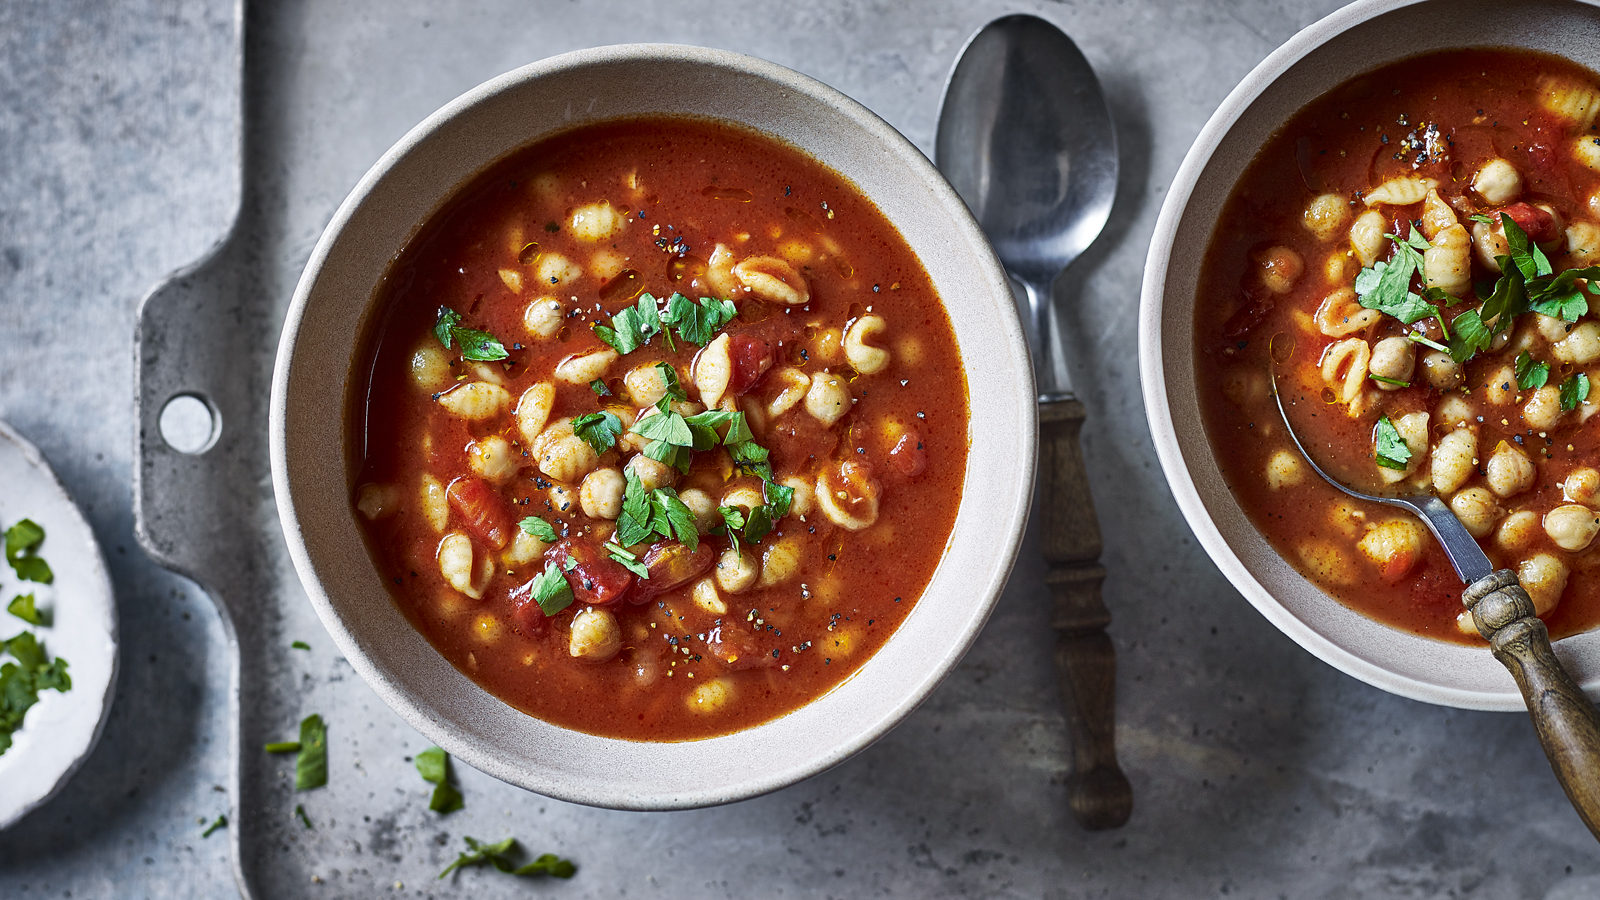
433	764
500	854
22	552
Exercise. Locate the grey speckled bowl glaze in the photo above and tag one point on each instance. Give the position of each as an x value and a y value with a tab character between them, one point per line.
1355	39
313	369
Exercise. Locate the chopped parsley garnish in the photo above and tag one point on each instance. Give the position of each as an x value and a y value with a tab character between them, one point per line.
22	552
599	387
24	607
499	855
659	511
1383	379
1386	286
1531	375
21	681
1392	450
311	766
1527	283
539	528
1574	390
551	591
697	323
675	389
300	812
732	523
627	560
220	822
433	764
758	523
479	346
300	645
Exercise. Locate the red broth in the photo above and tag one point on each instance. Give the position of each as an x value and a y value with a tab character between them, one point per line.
1514	459
840	362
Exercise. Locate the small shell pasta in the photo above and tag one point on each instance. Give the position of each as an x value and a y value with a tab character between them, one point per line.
1448	263
862	356
773	280
1344	367
475	400
1402	191
1284	470
1574	101
493	459
1341	314
562	455
543	318
582	368
1582	346
713	370
533	411
456	564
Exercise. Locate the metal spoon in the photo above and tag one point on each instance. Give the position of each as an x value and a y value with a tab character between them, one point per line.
1567	723
1027	141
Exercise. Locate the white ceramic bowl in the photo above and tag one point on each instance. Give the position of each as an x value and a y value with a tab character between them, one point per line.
314	365
1355	39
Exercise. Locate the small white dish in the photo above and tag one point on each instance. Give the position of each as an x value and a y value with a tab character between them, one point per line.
61	729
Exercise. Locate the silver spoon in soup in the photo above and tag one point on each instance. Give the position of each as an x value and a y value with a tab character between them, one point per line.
1568	725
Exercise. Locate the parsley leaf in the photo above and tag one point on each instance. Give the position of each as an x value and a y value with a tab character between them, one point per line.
1470	336
1386	286
300	645
24	607
311	766
675	389
598	429
300	813
497	855
599	387
282	747
627	560
22	552
660	511
752	458
479	346
633	525
698	323
21	681
666	426
433	764
221	822
1574	390
1531	375
539	528
1559	296
1392	450
633	326
732	523
551	591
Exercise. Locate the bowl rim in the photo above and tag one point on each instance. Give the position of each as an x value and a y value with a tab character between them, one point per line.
1009	510
1158	410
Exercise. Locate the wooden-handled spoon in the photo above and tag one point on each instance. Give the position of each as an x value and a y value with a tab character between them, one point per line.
1567	723
1026	139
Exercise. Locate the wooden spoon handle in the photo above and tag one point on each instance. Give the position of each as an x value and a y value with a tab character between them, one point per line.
1567	723
1086	661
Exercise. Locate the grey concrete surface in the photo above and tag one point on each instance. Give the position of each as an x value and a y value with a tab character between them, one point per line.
1258	771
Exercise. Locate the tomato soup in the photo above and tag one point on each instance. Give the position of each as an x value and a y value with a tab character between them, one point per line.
1413	256
662	432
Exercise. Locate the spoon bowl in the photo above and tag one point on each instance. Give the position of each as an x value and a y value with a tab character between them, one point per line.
1025	137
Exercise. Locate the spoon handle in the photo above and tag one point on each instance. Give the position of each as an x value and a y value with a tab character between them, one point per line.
1086	662
1567	723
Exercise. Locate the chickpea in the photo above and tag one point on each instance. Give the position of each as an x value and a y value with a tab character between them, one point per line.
651	473
524	549
512	279
563	499
595	222
1441	371
1393	358
710	697
1453	460
1501	386
556	269
1497	182
1455	410
1581	485
1544	577
828	399
376	501
736	570
1326	216
704	593
1327	564
1284	470
1586	150
1571	526
779	562
1582	346
475	400
1279	269
600	495
702	507
1509	471
595	635
1583	244
1477	510
1393	546
430	369
1543	409
543	318
862	356
646	384
1518	531
493	459
562	455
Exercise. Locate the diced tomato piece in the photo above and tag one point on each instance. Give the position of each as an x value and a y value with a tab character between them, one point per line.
526	613
595	580
1540	225
752	357
672	565
1258	301
482	510
737	649
909	456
